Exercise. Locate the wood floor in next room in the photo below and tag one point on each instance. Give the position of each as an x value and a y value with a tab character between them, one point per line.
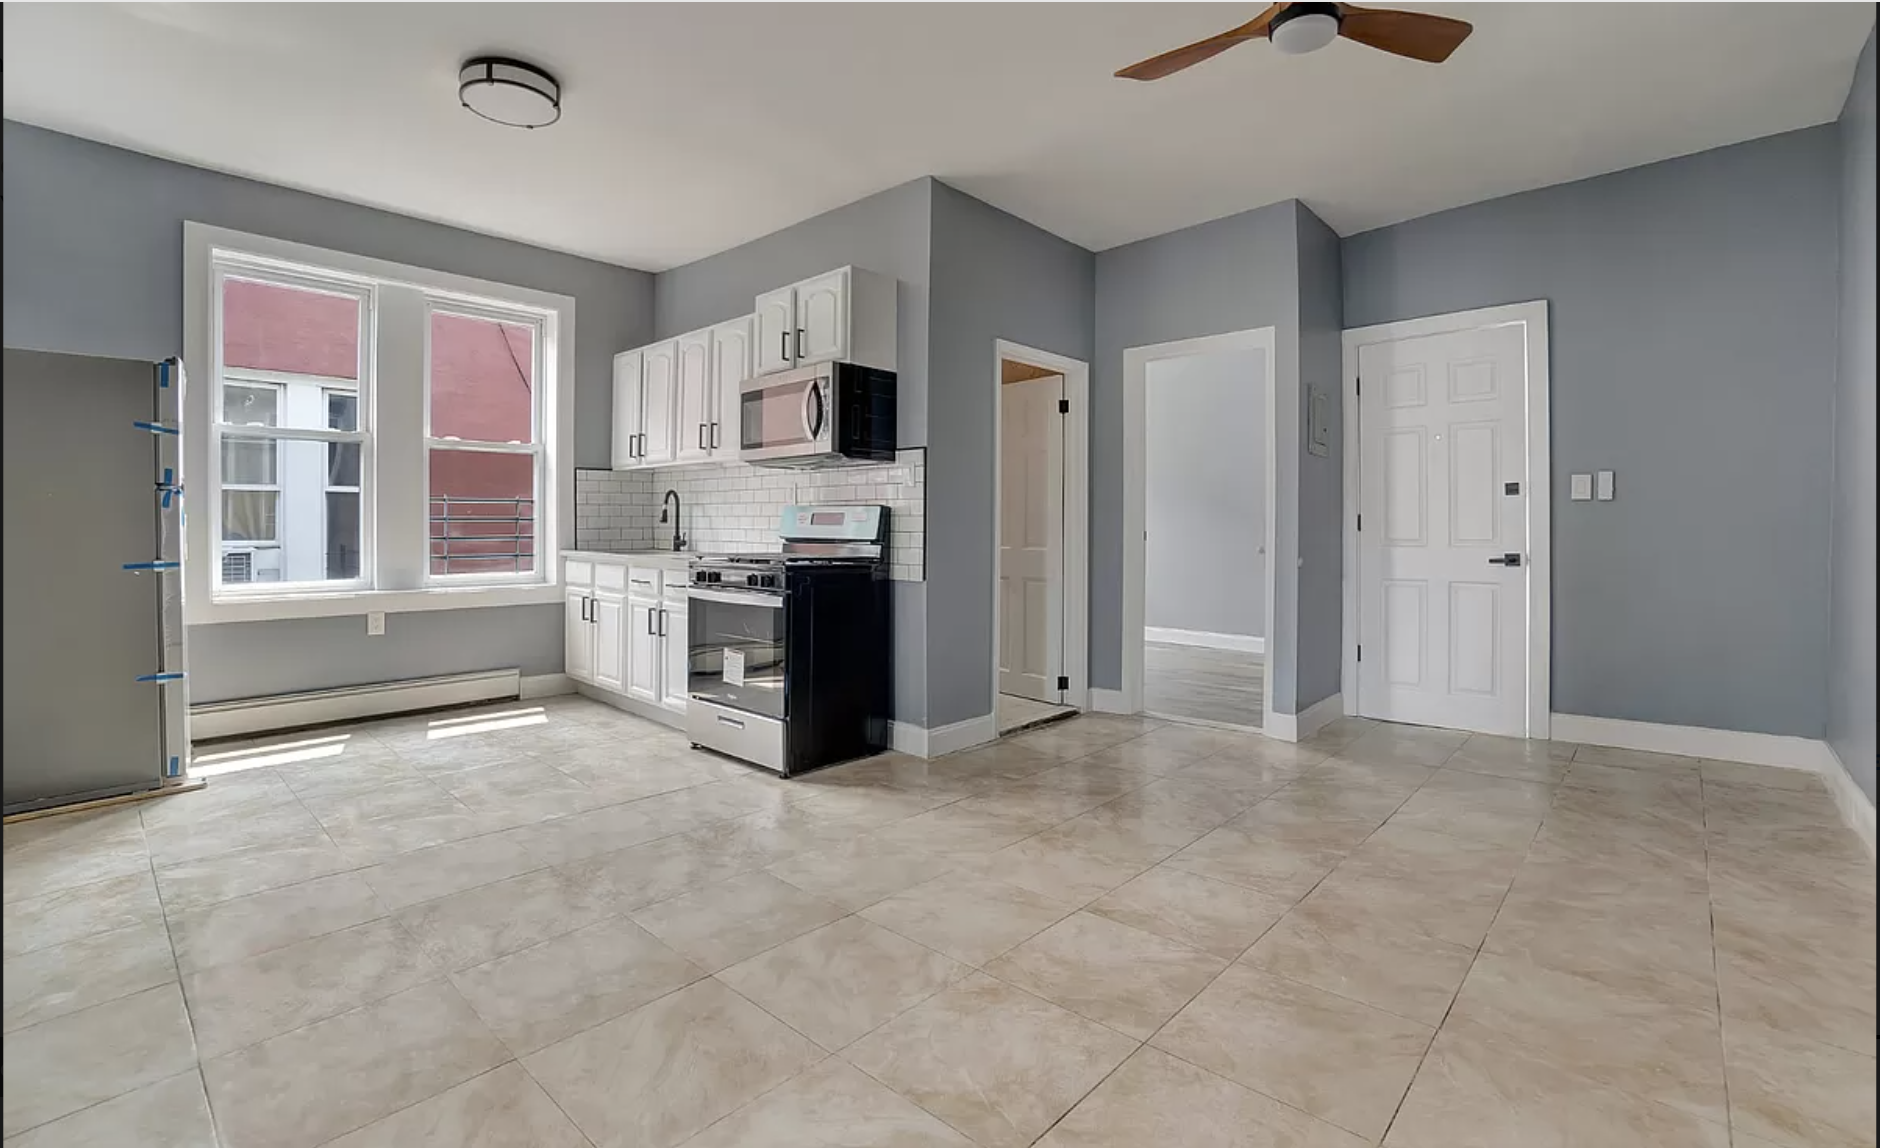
559	926
1203	684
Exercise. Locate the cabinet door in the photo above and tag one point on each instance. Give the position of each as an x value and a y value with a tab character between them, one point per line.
610	641
775	336
627	409
578	642
693	397
731	365
642	641
659	378
676	656
822	318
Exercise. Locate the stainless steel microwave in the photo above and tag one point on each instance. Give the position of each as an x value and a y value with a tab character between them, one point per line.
827	414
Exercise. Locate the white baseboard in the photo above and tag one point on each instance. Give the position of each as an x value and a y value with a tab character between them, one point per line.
1856	807
1109	701
1245	643
1696	741
545	685
1298	727
942	740
348	703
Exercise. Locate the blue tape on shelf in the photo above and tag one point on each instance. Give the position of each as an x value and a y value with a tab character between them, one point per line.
169	486
174	768
163	373
155	428
153	565
171	677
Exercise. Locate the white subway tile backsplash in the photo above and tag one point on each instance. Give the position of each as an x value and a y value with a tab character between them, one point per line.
733	506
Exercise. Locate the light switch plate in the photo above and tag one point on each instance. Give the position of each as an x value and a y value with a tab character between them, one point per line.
375	623
1602	486
1582	490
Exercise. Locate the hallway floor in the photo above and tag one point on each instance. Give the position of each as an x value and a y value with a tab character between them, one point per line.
556	925
1199	684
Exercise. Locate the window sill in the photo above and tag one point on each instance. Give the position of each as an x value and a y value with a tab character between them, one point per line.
355	602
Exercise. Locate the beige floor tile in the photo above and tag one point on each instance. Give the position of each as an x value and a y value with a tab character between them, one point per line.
1128	979
548	992
238	1004
82	911
606	830
830	1106
1481	1089
248	926
184	840
1737	773
503	1108
1068	740
395	801
61	1066
1163	750
1404	745
1155	1099
230	797
864	808
663	869
993	1062
1245	857
1060	865
1296	756
48	983
1798	1093
1004	761
193	884
1239	774
49	854
1664	782
1477	807
482	924
1401	971
1648	947
615	777
1655	1049
1635	759
1340	732
963	830
1446	887
529	789
1512	757
859	872
841	981
172	1113
1210	915
347	775
723	924
370	842
665	1071
440	870
1343	1062
1339	820
1145	825
305	1087
968	917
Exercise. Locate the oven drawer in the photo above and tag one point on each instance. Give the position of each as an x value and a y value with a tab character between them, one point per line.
738	733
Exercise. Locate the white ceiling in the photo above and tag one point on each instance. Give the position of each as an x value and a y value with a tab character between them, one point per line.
690	128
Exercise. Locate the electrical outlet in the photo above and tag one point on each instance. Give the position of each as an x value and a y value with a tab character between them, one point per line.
375	623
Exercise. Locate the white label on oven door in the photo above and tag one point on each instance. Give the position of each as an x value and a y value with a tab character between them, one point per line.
734	667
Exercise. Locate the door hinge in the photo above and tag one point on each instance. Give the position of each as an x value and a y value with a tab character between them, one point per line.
1064	406
1064	683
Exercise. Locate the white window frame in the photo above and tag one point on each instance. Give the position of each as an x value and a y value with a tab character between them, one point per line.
223	486
395	543
327	391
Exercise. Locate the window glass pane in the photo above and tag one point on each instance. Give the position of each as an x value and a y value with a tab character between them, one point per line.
270	327
255	406
249	515
342	410
342	534
248	461
342	464
482	377
482	512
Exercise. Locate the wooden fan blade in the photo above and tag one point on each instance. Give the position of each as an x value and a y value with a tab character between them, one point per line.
1170	62
1417	35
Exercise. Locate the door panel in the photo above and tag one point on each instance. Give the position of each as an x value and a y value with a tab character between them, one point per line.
658	379
676	648
642	643
1442	432
578	632
775	336
610	643
731	365
822	314
693	396
627	409
1031	539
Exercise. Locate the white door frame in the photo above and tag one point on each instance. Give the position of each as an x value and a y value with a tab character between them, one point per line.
1538	479
1136	362
1076	589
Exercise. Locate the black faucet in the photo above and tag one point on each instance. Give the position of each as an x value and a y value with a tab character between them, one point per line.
678	539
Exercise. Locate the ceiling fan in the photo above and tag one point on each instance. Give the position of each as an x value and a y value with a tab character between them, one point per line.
1299	28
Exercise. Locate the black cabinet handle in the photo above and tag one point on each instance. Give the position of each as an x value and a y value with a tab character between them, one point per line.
650	632
714	445
783	345
584	602
702	430
662	622
799	342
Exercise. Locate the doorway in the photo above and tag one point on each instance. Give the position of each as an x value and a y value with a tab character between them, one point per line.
1447	564
1040	555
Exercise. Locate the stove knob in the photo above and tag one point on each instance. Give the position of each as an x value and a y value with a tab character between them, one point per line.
770	580
717	576
753	579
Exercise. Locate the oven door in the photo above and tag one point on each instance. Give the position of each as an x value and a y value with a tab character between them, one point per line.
736	649
786	416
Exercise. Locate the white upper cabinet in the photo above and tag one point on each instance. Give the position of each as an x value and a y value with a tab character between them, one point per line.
692	399
659	376
731	365
628	409
776	331
822	319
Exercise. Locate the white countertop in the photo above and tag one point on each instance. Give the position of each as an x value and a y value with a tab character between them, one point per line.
664	559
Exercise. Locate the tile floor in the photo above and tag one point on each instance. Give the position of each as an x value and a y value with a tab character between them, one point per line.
559	927
1016	713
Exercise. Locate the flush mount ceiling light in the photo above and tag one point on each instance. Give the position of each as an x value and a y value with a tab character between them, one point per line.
509	92
1302	28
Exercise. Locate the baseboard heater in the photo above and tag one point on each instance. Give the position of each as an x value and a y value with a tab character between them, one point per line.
349	703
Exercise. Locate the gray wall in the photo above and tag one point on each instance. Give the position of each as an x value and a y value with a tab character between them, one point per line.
1851	665
1692	314
1321	539
994	277
93	260
1231	274
888	233
1205	494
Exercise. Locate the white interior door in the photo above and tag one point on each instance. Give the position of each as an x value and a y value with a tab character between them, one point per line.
1031	539
1443	500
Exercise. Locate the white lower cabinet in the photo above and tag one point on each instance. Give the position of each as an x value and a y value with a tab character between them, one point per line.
579	635
609	612
625	630
677	670
643	653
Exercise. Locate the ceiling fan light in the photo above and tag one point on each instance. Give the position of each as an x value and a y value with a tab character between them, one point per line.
509	92
1297	34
